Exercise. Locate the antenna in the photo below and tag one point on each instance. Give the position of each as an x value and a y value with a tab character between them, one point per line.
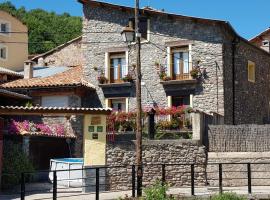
148	3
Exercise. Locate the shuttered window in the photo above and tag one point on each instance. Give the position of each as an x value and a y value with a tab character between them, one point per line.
3	52
251	71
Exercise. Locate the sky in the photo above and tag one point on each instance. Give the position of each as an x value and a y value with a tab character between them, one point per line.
248	17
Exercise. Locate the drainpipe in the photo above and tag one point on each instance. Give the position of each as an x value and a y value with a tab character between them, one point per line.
234	43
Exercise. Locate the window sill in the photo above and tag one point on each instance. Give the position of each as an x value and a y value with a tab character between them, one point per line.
106	85
179	82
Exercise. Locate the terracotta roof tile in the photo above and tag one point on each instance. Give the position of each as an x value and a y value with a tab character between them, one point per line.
72	77
9	72
52	110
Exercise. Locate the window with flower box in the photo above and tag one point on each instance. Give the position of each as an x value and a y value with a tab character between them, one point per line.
118	67
180	67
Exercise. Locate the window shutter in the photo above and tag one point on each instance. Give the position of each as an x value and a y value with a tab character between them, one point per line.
251	71
107	65
169	61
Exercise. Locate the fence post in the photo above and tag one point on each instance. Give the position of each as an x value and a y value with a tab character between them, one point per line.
133	181
220	178
192	180
97	183
249	178
139	180
54	185
163	174
22	186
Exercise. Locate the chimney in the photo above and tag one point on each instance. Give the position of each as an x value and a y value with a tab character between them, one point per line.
28	69
41	62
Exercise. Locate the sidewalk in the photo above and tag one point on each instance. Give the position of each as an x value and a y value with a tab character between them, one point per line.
76	194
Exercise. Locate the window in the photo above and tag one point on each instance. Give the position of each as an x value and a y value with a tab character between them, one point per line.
265	43
4	28
180	63
118	104
144	26
251	71
180	101
118	67
54	101
3	52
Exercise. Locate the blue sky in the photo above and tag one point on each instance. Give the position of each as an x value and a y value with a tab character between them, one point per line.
248	17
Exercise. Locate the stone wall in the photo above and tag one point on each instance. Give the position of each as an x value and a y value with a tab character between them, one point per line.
154	154
69	54
207	46
241	138
236	174
252	105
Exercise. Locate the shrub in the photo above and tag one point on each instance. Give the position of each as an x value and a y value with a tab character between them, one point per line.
157	192
15	161
228	196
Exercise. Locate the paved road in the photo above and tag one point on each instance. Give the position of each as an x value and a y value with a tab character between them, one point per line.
76	194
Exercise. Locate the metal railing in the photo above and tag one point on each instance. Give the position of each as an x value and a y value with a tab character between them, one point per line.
98	176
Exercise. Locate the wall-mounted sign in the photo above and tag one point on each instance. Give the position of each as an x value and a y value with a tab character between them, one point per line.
100	129
95	120
91	129
95	136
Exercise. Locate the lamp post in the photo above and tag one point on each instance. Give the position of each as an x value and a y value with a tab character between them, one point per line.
128	35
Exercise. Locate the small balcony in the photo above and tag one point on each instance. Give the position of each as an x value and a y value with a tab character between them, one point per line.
179	84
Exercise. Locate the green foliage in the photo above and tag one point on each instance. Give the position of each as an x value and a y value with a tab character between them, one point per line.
228	196
157	192
15	161
46	28
28	104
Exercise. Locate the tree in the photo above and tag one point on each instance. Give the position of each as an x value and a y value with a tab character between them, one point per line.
46	30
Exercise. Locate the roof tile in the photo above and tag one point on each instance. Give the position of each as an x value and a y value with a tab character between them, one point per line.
71	77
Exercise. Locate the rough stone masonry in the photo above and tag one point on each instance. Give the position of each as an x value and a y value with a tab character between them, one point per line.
156	153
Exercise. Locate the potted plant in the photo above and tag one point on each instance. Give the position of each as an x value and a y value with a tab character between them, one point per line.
195	72
166	78
102	79
128	78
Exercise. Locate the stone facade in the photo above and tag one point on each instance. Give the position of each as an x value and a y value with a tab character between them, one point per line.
156	153
68	54
206	47
210	43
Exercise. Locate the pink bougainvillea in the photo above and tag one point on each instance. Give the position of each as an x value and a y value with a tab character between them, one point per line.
24	127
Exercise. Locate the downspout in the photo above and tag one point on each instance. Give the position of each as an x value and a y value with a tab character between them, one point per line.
234	43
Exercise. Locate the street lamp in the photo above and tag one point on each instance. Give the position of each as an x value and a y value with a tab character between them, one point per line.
129	35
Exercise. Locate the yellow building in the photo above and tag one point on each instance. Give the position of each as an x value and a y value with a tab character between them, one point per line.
13	42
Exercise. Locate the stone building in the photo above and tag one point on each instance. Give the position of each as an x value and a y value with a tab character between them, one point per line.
262	40
233	75
67	54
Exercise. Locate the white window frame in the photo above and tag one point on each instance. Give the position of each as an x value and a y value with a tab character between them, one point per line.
107	61
4	46
169	58
126	102
9	28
